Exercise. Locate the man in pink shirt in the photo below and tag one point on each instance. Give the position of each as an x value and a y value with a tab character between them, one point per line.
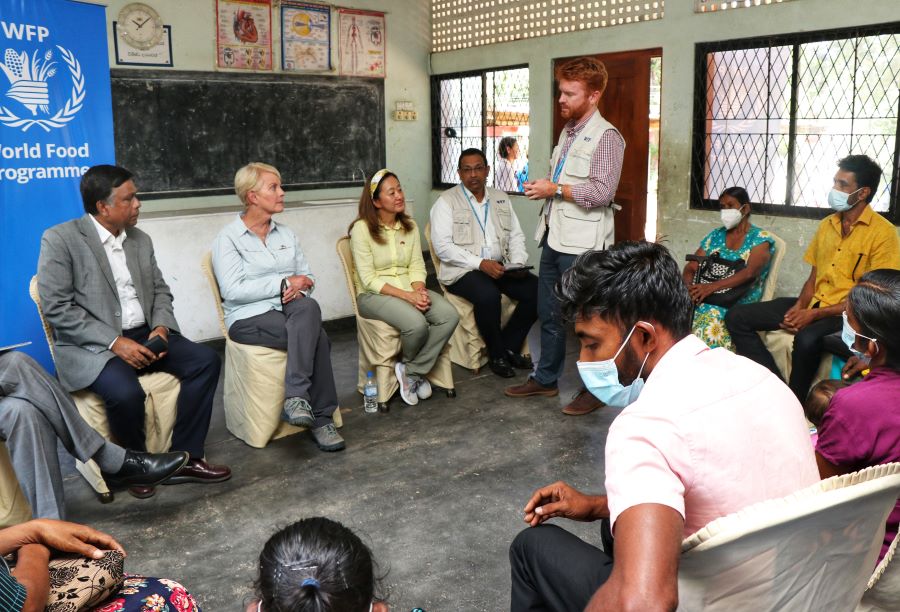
703	433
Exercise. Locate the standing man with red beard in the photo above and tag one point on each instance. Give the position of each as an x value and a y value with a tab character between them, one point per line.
576	213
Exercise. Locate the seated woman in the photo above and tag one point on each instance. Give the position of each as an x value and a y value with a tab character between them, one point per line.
27	587
319	565
390	283
861	426
736	239
505	172
266	285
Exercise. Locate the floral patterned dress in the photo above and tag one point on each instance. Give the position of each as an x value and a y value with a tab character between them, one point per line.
709	320
143	594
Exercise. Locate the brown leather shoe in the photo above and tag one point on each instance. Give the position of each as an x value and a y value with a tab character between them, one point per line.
142	492
582	402
531	388
198	470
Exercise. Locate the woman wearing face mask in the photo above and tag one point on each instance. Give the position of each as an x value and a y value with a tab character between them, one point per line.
736	239
861	426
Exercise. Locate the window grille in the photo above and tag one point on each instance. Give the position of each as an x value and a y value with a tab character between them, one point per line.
775	115
709	6
478	109
457	24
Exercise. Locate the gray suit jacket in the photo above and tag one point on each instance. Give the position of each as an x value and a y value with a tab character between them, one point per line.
80	301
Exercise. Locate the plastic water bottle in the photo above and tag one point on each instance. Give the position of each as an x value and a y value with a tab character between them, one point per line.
370	394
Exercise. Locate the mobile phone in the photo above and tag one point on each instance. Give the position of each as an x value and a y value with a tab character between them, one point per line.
284	285
157	344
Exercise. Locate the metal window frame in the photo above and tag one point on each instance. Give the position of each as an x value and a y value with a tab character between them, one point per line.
436	81
698	146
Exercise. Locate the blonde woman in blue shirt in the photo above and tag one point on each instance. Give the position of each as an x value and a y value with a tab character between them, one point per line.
390	283
266	284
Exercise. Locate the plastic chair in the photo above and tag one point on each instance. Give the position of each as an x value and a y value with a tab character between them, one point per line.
811	550
379	345
160	410
467	347
254	382
774	268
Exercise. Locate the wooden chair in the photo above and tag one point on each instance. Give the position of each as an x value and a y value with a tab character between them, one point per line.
160	410
811	550
254	382
379	345
467	347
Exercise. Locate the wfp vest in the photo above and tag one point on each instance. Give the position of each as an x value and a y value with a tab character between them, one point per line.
573	228
467	232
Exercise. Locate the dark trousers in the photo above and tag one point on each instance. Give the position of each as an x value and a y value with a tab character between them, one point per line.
298	330
745	320
195	365
554	570
553	330
484	292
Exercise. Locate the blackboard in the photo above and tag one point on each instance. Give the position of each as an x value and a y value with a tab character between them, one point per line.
186	133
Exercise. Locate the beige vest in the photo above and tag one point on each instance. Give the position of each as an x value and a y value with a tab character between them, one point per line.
573	228
467	232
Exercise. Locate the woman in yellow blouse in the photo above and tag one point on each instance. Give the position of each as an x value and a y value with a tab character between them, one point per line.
390	283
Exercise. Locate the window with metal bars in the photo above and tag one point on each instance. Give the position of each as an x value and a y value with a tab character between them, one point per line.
774	115
485	109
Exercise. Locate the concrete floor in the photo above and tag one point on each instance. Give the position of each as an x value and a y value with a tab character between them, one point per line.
436	490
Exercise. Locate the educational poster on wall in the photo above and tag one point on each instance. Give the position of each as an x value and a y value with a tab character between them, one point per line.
244	34
55	123
362	43
305	37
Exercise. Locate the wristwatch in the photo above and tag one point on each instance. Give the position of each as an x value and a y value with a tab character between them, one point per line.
559	193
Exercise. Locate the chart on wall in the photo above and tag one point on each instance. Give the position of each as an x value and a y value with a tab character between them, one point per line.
305	36
244	34
362	43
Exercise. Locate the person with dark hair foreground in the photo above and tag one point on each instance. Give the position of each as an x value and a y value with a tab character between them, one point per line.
105	298
703	433
861	426
848	243
317	565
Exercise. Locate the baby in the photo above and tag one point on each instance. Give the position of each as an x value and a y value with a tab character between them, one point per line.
818	400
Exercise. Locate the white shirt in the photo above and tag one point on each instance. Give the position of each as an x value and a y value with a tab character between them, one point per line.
447	251
132	313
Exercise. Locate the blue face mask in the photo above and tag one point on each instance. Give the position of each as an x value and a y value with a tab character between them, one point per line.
601	378
838	200
848	335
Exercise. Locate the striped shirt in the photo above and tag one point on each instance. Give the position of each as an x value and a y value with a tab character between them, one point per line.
606	166
12	594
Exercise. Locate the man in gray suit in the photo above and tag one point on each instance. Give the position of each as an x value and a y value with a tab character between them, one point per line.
35	412
105	298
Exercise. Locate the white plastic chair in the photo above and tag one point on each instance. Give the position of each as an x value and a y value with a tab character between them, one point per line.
812	550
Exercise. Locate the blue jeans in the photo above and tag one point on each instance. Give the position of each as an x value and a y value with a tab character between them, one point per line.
553	330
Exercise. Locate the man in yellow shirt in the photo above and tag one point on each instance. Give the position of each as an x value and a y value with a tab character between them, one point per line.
847	244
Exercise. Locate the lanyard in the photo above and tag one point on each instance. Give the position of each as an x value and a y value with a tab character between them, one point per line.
487	205
559	165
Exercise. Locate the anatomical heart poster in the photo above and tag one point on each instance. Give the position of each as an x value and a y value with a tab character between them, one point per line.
244	34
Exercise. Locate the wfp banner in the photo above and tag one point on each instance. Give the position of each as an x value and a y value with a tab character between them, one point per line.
55	123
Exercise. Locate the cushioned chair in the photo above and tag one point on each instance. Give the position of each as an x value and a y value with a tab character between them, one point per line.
467	348
883	591
811	550
160	410
254	383
13	505
379	345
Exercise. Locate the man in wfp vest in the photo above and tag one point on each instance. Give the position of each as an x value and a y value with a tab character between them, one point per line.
576	213
476	235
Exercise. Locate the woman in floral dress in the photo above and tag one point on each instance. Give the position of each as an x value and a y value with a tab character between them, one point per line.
736	239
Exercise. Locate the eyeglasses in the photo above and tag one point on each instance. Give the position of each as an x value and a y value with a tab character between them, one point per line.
469	169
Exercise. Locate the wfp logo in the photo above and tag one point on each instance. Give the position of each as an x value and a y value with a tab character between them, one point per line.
30	78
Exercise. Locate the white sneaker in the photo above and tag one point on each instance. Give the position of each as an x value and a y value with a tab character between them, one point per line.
407	386
423	388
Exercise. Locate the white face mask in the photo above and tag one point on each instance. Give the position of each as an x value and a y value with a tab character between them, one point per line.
731	217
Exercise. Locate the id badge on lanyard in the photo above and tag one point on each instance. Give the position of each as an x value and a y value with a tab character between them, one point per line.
486	251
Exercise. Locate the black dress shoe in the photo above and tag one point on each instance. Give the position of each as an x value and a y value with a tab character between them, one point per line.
500	366
146	469
198	470
517	360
